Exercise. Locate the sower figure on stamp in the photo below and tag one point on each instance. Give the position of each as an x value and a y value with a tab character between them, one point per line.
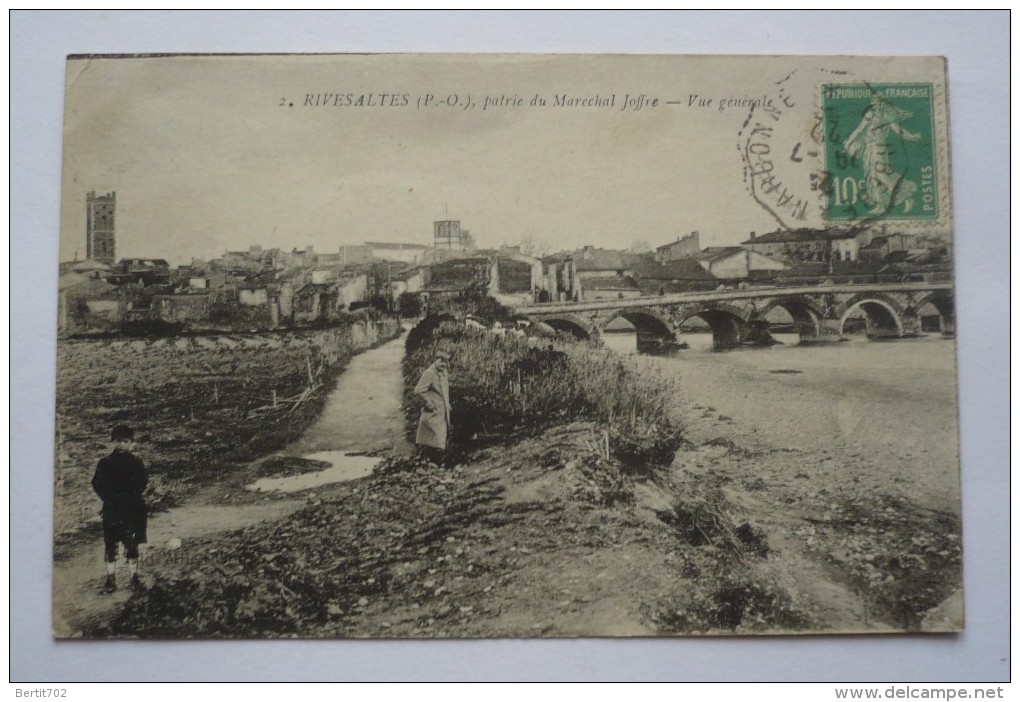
434	425
885	187
120	482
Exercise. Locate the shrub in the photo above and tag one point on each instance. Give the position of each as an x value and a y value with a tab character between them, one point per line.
503	385
740	596
701	517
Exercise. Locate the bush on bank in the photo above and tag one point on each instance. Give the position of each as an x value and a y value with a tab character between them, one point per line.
505	387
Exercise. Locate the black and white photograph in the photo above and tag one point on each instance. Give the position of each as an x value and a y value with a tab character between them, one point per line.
505	346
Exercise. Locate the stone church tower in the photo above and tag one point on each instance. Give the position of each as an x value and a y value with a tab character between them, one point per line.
100	239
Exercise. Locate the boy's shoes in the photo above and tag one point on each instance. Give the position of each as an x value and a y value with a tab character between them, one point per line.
110	586
136	582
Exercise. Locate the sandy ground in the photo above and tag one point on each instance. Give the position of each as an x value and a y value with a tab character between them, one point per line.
881	415
799	432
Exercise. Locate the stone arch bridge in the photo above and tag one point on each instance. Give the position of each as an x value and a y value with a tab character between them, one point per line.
738	317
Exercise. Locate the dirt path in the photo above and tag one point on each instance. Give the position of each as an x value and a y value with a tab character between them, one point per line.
77	601
362	413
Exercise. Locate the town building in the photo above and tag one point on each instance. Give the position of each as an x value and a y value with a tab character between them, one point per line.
515	278
302	257
357	253
404	253
88	267
406	282
810	245
683	247
569	273
314	302
352	289
84	301
460	275
610	288
735	263
182	307
898	247
146	271
683	275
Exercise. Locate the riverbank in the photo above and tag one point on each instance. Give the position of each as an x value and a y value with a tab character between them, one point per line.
849	455
541	533
884	413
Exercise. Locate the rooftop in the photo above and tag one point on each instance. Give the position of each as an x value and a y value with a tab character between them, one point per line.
682	269
82	283
467	261
90	264
714	253
782	236
314	288
619	282
591	259
388	245
461	286
406	274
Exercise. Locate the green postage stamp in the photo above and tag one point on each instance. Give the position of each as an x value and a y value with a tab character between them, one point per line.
880	152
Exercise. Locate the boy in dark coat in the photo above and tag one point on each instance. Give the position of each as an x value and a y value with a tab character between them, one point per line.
120	482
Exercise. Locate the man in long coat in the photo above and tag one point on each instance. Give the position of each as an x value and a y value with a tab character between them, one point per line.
434	390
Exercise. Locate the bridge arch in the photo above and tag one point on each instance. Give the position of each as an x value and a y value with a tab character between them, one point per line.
944	304
805	313
700	308
646	321
884	314
570	323
653	330
421	332
728	322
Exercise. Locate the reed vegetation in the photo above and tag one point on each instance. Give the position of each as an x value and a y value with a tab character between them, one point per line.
505	387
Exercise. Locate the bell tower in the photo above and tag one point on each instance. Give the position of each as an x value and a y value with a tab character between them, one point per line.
100	237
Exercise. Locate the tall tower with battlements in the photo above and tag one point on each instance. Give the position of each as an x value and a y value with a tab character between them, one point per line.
100	232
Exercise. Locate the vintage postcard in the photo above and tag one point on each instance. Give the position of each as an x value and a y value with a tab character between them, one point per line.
461	346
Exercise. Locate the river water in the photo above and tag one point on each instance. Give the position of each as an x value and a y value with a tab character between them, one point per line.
886	410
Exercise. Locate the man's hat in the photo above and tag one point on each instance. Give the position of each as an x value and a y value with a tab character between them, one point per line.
122	432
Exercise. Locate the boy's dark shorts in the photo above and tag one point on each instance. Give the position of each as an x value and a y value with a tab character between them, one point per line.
116	531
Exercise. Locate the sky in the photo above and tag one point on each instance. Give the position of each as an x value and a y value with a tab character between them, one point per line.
208	154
